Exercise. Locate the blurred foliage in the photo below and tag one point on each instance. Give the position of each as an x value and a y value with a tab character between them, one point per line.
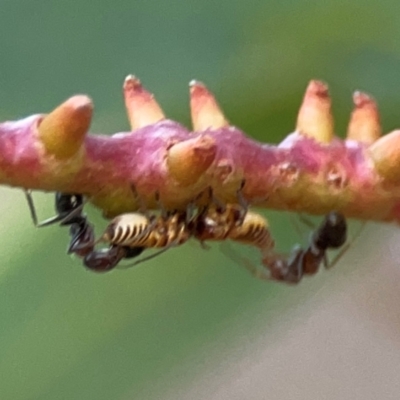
138	334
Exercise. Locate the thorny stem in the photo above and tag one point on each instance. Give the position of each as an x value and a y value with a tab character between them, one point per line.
310	171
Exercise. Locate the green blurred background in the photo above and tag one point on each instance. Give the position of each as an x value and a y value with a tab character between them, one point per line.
162	330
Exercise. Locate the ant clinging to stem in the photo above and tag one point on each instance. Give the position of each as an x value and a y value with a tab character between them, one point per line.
221	222
69	209
330	234
129	234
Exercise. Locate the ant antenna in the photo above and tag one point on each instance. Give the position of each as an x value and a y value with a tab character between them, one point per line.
52	220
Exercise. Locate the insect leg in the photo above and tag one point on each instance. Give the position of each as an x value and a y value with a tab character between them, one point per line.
142	206
242	202
172	244
32	209
59	218
218	203
232	254
346	247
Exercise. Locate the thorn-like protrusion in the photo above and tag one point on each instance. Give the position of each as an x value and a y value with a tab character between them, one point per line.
364	125
63	131
142	108
205	111
188	160
315	117
385	153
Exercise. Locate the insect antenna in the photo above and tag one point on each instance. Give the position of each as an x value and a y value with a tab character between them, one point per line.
52	220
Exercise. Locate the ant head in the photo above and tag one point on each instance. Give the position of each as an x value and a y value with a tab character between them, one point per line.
67	203
333	231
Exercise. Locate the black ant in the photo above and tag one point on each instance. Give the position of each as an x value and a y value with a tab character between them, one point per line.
331	234
69	212
129	234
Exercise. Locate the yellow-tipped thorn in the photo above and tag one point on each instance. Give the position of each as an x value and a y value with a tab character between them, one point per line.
142	108
205	111
364	125
315	117
187	161
63	131
385	153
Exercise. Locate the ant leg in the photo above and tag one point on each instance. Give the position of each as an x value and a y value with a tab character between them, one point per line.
346	247
306	221
191	207
144	210
144	259
160	205
190	212
32	210
203	245
31	205
277	266
244	262
218	203
142	206
242	202
204	196
77	211
53	220
174	243
294	220
298	220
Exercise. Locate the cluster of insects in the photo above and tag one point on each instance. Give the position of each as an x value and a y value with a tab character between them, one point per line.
128	235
